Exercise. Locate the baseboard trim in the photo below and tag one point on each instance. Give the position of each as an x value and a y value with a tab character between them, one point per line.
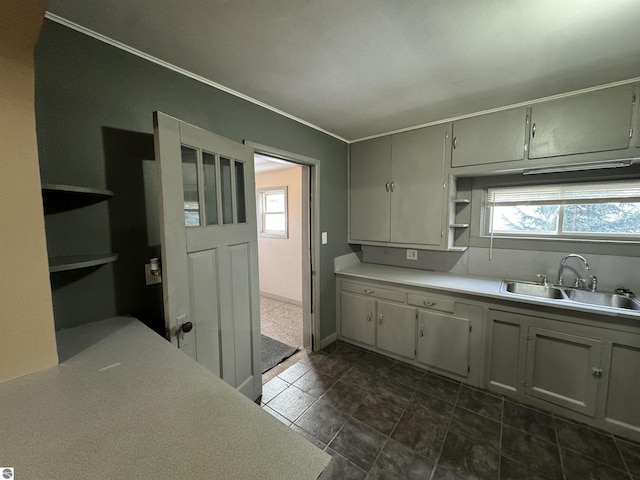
328	340
273	296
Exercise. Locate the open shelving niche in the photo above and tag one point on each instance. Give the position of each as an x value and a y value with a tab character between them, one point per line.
459	218
81	196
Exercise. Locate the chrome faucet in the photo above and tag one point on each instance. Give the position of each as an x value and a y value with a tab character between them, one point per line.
579	281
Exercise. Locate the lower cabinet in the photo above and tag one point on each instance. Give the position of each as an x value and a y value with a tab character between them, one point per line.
622	407
443	341
396	329
357	313
547	363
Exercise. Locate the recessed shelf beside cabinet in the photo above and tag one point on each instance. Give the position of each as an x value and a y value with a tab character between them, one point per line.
74	262
59	198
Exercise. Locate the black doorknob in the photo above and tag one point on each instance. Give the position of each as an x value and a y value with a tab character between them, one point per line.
186	327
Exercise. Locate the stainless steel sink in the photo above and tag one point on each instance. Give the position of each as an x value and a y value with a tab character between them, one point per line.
604	299
532	289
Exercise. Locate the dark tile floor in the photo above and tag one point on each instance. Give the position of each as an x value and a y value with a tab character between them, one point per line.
382	419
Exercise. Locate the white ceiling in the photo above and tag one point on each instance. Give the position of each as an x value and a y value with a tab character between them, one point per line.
358	68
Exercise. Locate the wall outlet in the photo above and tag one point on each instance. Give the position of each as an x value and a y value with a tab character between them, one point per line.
412	254
324	238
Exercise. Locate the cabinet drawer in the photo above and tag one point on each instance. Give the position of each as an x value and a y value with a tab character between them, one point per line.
373	291
431	303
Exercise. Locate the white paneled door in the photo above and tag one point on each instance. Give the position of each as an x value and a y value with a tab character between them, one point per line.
209	250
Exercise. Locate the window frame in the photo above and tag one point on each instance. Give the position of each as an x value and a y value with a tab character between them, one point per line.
262	214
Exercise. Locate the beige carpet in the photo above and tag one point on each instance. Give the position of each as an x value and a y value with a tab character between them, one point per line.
283	322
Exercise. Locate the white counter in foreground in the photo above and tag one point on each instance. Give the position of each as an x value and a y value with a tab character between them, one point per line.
124	403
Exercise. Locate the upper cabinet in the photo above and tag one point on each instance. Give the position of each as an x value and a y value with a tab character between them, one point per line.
491	138
398	188
370	190
592	122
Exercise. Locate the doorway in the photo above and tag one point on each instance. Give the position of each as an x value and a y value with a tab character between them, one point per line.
286	203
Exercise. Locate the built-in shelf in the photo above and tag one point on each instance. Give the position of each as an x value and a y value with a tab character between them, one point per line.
459	225
461	201
59	189
74	262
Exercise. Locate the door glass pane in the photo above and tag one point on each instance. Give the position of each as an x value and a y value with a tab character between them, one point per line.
225	189
240	203
210	188
190	186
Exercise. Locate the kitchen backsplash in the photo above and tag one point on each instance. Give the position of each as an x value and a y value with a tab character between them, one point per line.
612	271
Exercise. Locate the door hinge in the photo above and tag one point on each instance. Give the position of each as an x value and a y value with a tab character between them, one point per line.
633	100
596	372
470	327
528	338
468	369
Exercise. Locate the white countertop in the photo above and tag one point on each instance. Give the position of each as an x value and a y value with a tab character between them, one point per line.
485	287
125	403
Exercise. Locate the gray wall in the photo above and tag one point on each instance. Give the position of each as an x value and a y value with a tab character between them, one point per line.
94	107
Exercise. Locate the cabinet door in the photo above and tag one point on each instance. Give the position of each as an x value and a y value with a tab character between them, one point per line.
592	122
396	329
624	387
369	189
492	138
443	342
506	354
563	369
418	196
357	318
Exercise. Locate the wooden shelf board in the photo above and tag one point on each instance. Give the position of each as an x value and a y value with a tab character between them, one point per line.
75	190
73	262
459	225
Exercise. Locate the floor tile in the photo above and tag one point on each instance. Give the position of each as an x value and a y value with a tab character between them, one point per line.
588	442
358	443
272	388
343	397
423	403
392	392
333	367
529	420
481	403
359	377
537	454
405	374
322	421
343	469
577	467
378	414
315	383
444	474
294	372
397	462
307	436
332	347
349	353
275	414
472	425
440	387
512	470
291	403
375	363
468	458
313	359
421	434
631	454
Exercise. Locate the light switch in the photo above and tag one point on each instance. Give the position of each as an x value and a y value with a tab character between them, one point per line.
324	238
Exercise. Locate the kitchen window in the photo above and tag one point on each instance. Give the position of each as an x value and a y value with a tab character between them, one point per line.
272	212
603	210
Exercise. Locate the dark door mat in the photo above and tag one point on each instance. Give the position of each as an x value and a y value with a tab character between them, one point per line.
274	352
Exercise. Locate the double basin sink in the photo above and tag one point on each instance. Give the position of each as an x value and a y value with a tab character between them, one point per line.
559	292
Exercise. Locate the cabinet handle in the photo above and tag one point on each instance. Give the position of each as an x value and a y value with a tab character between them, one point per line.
533	131
386	186
380	319
429	304
393	186
596	372
421	332
368	291
455	142
369	317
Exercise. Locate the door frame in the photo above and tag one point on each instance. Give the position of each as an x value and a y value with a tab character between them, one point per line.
310	239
